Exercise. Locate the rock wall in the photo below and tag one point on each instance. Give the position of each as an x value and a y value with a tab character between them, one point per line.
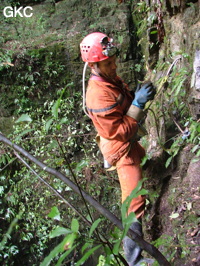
173	212
41	55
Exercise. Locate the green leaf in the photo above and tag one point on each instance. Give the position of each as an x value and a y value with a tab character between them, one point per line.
58	249
68	241
55	108
135	193
81	165
168	161
179	87
61	259
24	133
59	231
88	217
94	226
64	120
195	148
198	153
48	124
86	255
126	223
52	255
116	247
120	39
144	160
55	214
154	32
24	118
75	225
85	246
130	219
118	243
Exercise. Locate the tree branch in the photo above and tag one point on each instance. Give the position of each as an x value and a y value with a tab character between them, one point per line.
153	251
53	189
101	237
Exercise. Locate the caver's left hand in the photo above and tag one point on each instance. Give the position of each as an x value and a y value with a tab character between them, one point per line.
143	94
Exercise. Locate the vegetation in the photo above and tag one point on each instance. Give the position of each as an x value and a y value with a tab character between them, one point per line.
41	99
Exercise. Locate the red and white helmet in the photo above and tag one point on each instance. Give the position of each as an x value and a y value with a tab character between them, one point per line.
96	47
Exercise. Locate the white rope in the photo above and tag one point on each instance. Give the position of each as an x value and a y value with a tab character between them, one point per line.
84	100
172	65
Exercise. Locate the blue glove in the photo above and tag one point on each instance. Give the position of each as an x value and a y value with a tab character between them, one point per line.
144	94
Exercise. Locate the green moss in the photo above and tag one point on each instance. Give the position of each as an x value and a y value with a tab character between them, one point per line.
6	125
191	218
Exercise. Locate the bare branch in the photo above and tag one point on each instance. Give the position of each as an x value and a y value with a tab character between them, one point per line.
153	251
101	237
53	189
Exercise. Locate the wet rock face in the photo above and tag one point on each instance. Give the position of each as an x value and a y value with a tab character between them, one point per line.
177	6
195	87
197	71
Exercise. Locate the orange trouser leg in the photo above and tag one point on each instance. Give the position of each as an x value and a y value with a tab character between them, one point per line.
129	174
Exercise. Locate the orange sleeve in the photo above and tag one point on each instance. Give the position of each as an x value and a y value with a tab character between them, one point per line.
108	116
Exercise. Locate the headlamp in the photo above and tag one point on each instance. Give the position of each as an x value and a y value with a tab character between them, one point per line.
108	48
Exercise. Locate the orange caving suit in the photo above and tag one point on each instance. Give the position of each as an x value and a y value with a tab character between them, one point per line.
107	104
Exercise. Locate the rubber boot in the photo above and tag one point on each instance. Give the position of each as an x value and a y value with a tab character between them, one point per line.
132	250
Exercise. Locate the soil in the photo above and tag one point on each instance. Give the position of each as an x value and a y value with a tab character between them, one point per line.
173	214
